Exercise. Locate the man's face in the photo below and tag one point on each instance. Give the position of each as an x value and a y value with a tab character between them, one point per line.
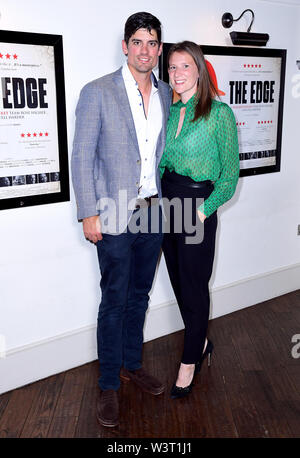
142	51
5	181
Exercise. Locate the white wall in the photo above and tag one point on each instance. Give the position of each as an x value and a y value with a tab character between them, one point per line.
49	279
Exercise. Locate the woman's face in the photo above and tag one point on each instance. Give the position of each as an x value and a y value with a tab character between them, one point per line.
183	73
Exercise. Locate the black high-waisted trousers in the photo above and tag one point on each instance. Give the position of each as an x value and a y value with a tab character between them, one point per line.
189	264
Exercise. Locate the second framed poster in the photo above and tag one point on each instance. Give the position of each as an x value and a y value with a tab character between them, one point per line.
251	82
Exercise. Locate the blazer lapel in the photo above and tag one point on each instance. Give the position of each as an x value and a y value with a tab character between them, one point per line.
122	100
123	103
164	113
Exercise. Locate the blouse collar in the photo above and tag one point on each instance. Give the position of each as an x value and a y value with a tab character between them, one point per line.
190	103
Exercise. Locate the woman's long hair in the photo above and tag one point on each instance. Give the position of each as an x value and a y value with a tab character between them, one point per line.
206	90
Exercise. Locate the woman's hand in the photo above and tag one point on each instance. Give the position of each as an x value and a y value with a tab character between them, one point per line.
201	215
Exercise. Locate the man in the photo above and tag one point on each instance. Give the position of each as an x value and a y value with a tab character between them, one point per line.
31	179
5	181
119	139
43	178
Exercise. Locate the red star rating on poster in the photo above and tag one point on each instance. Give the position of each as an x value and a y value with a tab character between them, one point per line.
34	134
264	122
240	123
252	65
8	56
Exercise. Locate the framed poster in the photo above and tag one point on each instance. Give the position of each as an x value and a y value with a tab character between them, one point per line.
251	82
33	133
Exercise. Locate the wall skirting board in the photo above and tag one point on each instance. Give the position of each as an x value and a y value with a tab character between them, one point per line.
23	365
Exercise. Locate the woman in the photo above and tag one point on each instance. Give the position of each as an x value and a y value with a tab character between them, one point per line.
200	167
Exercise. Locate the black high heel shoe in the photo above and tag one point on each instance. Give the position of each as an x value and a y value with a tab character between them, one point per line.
206	354
181	392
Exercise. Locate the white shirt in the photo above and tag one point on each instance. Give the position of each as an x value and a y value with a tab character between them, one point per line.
147	130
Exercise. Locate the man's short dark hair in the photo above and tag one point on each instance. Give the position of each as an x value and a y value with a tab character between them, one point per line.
141	21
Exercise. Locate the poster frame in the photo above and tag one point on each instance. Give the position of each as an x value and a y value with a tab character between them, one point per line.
230	51
30	38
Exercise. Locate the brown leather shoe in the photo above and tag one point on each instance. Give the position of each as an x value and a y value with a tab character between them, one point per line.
145	381
108	408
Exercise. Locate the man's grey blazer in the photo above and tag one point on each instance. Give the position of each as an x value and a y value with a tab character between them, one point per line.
106	161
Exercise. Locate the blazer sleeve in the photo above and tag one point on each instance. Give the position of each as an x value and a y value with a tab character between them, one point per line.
87	130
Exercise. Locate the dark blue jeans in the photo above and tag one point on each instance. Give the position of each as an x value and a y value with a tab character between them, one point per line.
127	264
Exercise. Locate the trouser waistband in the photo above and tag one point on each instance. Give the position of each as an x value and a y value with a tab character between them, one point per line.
173	177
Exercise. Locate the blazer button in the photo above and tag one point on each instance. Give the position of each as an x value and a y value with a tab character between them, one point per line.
138	161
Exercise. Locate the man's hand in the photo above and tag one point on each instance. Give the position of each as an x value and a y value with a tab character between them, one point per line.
92	228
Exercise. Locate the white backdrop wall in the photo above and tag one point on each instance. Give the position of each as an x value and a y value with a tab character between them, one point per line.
49	278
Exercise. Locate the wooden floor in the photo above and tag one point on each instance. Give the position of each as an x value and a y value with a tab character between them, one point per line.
251	390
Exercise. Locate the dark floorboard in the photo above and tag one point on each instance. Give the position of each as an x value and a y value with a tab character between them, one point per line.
251	390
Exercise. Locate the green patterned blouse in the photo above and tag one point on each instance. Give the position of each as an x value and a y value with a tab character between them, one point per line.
206	149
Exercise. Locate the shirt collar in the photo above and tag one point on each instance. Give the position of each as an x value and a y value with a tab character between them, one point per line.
128	77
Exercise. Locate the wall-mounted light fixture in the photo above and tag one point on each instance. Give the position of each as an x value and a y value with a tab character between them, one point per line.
244	38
